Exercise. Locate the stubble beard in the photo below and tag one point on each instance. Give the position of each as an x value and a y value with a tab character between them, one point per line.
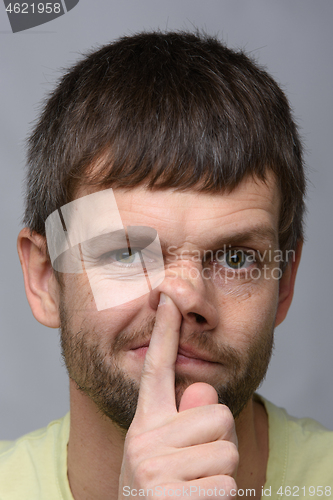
95	369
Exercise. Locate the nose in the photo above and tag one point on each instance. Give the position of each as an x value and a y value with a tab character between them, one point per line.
192	294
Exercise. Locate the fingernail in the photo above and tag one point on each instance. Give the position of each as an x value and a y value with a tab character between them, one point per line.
163	298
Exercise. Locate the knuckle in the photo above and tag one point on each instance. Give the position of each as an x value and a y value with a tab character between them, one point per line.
228	484
149	366
138	450
225	417
134	447
228	457
146	472
232	455
150	371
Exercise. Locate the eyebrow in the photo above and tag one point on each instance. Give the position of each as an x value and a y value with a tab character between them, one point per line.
258	235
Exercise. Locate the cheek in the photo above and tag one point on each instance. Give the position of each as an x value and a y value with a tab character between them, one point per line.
247	311
82	311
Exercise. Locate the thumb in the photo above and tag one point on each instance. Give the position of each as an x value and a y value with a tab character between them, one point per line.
198	394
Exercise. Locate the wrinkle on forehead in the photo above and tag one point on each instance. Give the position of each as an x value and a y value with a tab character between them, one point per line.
249	190
187	212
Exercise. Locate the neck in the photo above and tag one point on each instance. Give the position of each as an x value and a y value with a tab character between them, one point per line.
252	434
95	449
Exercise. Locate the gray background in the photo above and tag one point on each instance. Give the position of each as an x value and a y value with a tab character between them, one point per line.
294	38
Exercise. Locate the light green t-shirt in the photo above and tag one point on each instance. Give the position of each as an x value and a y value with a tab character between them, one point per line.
300	461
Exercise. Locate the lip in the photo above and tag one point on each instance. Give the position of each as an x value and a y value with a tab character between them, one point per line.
185	352
192	353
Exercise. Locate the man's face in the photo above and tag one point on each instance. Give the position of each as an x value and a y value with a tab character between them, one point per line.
221	273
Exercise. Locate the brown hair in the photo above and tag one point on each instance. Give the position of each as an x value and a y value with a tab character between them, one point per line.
165	110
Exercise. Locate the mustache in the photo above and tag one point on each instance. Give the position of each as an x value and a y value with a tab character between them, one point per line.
141	334
202	340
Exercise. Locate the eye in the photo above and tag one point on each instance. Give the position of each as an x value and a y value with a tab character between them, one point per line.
235	259
123	256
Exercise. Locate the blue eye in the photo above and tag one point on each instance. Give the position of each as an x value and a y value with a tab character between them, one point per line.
123	256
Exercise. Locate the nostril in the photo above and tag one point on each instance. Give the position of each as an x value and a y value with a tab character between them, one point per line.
198	318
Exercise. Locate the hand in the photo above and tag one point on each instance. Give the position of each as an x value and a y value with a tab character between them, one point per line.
170	450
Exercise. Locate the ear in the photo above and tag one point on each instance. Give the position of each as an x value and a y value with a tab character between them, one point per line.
41	286
287	284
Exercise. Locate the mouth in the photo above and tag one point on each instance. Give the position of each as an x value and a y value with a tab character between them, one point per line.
186	354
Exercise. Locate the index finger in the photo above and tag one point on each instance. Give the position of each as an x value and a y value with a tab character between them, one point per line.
157	386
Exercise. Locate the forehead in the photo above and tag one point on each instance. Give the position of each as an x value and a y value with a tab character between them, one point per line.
190	215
